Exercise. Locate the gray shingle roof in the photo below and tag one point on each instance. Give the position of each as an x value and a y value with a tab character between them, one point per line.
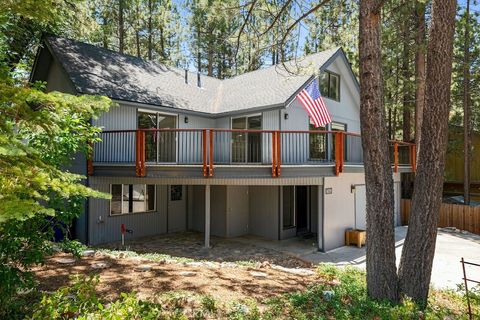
96	70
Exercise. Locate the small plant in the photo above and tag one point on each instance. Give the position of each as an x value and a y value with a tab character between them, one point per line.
74	247
69	302
208	304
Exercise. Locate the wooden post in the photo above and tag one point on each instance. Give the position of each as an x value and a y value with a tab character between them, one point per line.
274	153
140	153
338	153
210	172
279	155
204	152
207	216
395	157
413	157
90	160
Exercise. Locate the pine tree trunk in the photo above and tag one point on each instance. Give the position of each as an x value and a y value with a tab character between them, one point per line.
381	268
150	31
162	44
419	70
104	32
121	27
407	114
137	32
419	248
467	140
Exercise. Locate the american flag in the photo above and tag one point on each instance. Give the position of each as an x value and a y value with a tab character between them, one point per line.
311	99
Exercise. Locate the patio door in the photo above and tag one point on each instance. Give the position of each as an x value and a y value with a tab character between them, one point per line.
160	146
247	146
360	207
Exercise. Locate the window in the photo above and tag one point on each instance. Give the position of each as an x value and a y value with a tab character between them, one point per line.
247	147
176	193
330	85
317	143
132	198
160	146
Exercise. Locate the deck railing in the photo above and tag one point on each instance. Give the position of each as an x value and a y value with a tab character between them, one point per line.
228	147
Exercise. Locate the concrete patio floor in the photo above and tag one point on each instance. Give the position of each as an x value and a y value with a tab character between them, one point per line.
447	271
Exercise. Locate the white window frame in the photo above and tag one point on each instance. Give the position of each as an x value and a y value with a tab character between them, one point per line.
145	200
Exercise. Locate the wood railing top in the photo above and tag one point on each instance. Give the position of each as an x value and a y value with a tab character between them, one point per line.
347	133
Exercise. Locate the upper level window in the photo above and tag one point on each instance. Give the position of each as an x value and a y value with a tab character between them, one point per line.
330	85
132	198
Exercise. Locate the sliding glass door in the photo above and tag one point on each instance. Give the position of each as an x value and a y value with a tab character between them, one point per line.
247	146
160	146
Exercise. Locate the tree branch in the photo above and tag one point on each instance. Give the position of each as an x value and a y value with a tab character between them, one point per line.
296	22
249	13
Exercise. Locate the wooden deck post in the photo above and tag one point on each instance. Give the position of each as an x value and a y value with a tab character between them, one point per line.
204	152
140	153
274	153
279	154
207	216
413	157
339	154
210	158
395	157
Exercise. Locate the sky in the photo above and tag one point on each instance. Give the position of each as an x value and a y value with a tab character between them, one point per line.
474	8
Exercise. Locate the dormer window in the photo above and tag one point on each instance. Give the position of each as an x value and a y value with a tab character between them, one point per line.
330	85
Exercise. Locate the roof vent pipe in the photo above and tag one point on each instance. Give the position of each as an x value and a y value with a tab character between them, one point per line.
199	82
186	76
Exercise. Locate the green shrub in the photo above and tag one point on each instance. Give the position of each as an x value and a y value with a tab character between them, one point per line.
74	247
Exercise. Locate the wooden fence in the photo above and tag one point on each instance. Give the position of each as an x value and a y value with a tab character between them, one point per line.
451	215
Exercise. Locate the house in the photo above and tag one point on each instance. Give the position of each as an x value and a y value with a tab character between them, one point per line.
454	165
233	157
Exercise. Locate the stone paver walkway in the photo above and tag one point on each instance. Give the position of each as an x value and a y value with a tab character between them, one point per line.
451	246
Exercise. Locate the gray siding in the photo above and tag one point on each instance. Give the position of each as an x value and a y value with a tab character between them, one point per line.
196	210
263	211
237	211
105	228
117	147
270	121
190	143
57	80
218	213
221	140
295	145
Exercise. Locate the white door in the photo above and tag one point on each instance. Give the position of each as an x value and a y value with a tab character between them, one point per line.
360	207
177	208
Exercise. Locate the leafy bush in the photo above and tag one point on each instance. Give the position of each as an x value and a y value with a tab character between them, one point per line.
74	247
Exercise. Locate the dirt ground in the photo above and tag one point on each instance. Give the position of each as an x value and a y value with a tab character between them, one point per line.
214	271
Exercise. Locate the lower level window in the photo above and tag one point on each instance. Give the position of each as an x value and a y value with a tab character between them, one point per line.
131	198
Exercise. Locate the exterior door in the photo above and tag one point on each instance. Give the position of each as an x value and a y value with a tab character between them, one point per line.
177	208
360	207
160	146
301	204
148	120
247	147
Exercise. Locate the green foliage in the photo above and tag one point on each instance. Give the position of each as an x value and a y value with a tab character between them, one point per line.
74	247
347	300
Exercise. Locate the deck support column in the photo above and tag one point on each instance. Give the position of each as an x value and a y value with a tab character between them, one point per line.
207	216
